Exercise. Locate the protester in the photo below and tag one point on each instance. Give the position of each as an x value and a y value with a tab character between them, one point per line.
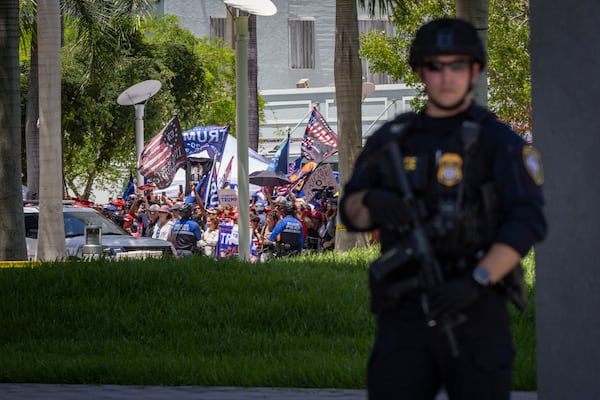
328	238
259	209
130	225
266	248
175	208
210	237
255	233
164	226
314	221
152	213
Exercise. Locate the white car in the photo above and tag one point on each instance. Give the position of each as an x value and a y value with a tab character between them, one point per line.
116	242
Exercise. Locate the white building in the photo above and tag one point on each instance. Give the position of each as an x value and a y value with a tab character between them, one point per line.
295	49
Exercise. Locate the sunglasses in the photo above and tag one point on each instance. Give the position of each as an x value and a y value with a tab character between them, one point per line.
437	66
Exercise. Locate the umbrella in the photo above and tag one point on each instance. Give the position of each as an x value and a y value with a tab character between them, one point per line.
268	178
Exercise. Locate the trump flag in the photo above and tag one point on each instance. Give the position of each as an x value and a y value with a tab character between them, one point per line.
320	141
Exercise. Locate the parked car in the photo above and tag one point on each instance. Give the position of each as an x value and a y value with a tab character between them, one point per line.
115	242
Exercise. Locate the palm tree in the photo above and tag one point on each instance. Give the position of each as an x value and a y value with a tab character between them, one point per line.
98	34
12	227
28	35
51	232
348	83
348	88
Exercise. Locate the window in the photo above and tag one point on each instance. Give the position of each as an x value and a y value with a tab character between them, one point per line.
217	27
368	25
302	43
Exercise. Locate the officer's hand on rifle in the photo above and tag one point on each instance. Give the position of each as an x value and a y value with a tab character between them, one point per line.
453	296
387	209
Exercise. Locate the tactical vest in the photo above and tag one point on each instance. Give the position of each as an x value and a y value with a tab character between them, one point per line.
459	208
185	239
291	234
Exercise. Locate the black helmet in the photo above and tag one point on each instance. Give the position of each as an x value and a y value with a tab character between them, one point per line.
446	36
185	211
289	208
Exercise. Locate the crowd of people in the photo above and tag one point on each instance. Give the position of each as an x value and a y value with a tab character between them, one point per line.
280	225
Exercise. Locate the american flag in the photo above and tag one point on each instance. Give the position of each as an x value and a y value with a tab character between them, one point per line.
320	141
163	155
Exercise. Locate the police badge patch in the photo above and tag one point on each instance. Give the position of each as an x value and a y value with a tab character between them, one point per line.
533	164
449	171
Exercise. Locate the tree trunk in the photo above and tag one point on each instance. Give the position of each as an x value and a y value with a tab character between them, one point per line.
51	235
12	226
476	12
348	91
32	131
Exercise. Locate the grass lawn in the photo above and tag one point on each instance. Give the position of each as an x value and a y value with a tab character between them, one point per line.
301	322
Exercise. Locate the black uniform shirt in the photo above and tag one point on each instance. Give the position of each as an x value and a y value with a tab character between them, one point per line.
499	157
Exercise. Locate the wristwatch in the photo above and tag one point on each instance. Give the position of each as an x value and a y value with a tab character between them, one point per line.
482	276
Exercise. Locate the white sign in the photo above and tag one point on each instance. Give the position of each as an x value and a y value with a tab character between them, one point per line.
320	178
228	196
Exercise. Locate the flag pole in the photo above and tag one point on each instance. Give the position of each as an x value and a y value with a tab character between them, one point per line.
306	115
392	102
209	182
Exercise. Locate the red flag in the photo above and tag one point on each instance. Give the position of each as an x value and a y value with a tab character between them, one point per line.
320	141
163	155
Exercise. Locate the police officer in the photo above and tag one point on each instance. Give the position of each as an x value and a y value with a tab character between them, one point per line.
186	232
288	234
475	190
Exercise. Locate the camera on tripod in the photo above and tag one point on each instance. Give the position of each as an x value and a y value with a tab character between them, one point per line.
324	194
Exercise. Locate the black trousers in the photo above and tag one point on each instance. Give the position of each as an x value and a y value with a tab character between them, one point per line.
412	361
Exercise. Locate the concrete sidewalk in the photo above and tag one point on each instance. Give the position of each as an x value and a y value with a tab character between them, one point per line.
26	391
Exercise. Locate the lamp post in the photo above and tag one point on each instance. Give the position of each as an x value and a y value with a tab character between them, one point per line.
256	7
137	95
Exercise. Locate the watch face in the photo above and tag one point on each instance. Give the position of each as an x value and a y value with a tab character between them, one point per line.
481	276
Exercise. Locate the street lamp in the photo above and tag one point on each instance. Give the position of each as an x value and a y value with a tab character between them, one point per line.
137	95
262	8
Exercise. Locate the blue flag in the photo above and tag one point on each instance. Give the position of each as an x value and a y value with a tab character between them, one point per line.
294	167
280	161
205	138
130	189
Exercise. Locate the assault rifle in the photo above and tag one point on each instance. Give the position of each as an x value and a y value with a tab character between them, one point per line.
418	247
